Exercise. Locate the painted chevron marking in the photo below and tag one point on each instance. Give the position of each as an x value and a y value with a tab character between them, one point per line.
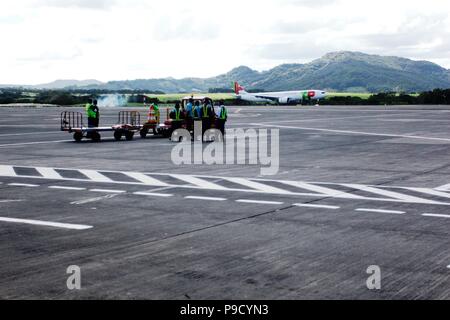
317	189
95	176
198	182
145	179
444	188
7	171
258	186
322	190
391	194
49	173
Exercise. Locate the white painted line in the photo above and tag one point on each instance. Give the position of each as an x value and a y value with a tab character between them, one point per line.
259	201
353	132
8	201
108	191
49	173
390	194
205	198
7	171
151	194
436	215
380	211
67	188
30	133
23	185
322	190
47	223
432	192
258	186
444	188
320	206
31	143
145	179
95	176
198	182
108	196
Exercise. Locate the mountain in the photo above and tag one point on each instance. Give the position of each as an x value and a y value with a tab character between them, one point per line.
61	84
342	71
337	71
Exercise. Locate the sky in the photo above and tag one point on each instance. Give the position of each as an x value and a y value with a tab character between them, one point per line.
45	40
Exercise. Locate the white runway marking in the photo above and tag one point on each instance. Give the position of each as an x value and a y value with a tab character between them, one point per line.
436	215
353	132
8	201
389	194
146	179
249	185
96	176
257	186
444	188
109	196
108	191
151	194
66	188
205	198
259	201
31	143
26	185
49	173
198	182
29	133
323	190
319	206
7	171
380	211
47	223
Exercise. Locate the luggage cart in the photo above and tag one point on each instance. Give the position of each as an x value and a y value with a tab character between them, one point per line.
129	122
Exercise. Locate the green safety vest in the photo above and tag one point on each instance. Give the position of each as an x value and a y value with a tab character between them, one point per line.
205	112
223	113
177	114
90	112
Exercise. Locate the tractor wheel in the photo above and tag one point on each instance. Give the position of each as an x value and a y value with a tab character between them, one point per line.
117	135
129	136
143	133
78	136
96	137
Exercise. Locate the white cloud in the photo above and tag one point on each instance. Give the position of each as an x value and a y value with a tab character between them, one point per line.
128	39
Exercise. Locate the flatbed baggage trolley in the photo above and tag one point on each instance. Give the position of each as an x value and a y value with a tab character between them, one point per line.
129	122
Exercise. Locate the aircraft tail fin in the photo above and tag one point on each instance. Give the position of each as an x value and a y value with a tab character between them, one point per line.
238	89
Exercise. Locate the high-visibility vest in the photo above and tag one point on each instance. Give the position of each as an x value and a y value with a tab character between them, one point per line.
205	112
177	114
223	113
90	111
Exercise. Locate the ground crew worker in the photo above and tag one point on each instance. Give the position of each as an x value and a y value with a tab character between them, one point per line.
91	114
177	116
207	116
222	117
190	115
156	110
97	113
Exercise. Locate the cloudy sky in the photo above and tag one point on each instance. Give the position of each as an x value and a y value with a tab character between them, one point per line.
44	40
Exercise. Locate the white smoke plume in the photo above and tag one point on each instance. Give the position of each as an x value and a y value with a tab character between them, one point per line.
112	100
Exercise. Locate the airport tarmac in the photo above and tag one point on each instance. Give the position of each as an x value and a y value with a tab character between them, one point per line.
358	186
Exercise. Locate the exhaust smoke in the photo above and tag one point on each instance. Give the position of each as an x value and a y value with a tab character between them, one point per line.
112	100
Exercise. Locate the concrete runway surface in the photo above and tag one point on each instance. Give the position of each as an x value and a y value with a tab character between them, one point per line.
357	186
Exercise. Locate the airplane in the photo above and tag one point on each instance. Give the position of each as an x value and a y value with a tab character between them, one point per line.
282	97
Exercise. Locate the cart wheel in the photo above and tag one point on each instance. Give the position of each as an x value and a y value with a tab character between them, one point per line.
117	135
77	136
96	137
129	136
143	133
